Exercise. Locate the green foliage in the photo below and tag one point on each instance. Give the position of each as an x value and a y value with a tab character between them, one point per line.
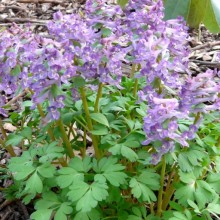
143	185
108	169
100	118
87	196
195	12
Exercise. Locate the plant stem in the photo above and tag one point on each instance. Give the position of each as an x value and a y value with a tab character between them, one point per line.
152	208
135	88
99	95
9	148
65	138
197	117
41	112
77	120
50	133
218	142
89	122
169	192
83	149
160	195
133	68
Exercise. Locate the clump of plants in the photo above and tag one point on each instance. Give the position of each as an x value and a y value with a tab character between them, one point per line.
113	82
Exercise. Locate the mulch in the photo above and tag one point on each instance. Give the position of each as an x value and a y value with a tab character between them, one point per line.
205	53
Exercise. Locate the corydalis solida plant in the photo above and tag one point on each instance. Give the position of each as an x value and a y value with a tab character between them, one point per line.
85	51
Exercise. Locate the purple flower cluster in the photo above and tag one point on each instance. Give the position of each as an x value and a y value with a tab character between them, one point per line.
201	93
91	42
93	46
38	64
12	43
160	47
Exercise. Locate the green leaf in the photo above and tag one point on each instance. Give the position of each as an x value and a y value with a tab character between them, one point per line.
68	176
122	3
75	171
194	206
16	70
144	184
214	208
129	154
197	12
48	200
92	215
212	16
78	82
180	216
34	184
49	152
100	118
14	139
64	210
67	117
99	130
176	8
27	103
213	180
204	193
106	32
56	90
42	214
27	132
81	165
184	193
184	163
87	196
195	190
120	149
142	192
46	170
22	166
150	179
108	169
133	217
176	206
189	159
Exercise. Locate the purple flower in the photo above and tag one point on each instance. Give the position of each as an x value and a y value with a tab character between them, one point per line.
54	114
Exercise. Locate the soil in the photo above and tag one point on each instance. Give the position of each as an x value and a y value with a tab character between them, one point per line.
204	46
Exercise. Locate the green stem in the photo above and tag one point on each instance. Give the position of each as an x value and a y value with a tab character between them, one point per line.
197	118
218	142
77	120
169	192
83	149
50	133
71	131
135	88
152	208
41	112
49	130
65	138
99	95
9	148
89	122
160	195
133	69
